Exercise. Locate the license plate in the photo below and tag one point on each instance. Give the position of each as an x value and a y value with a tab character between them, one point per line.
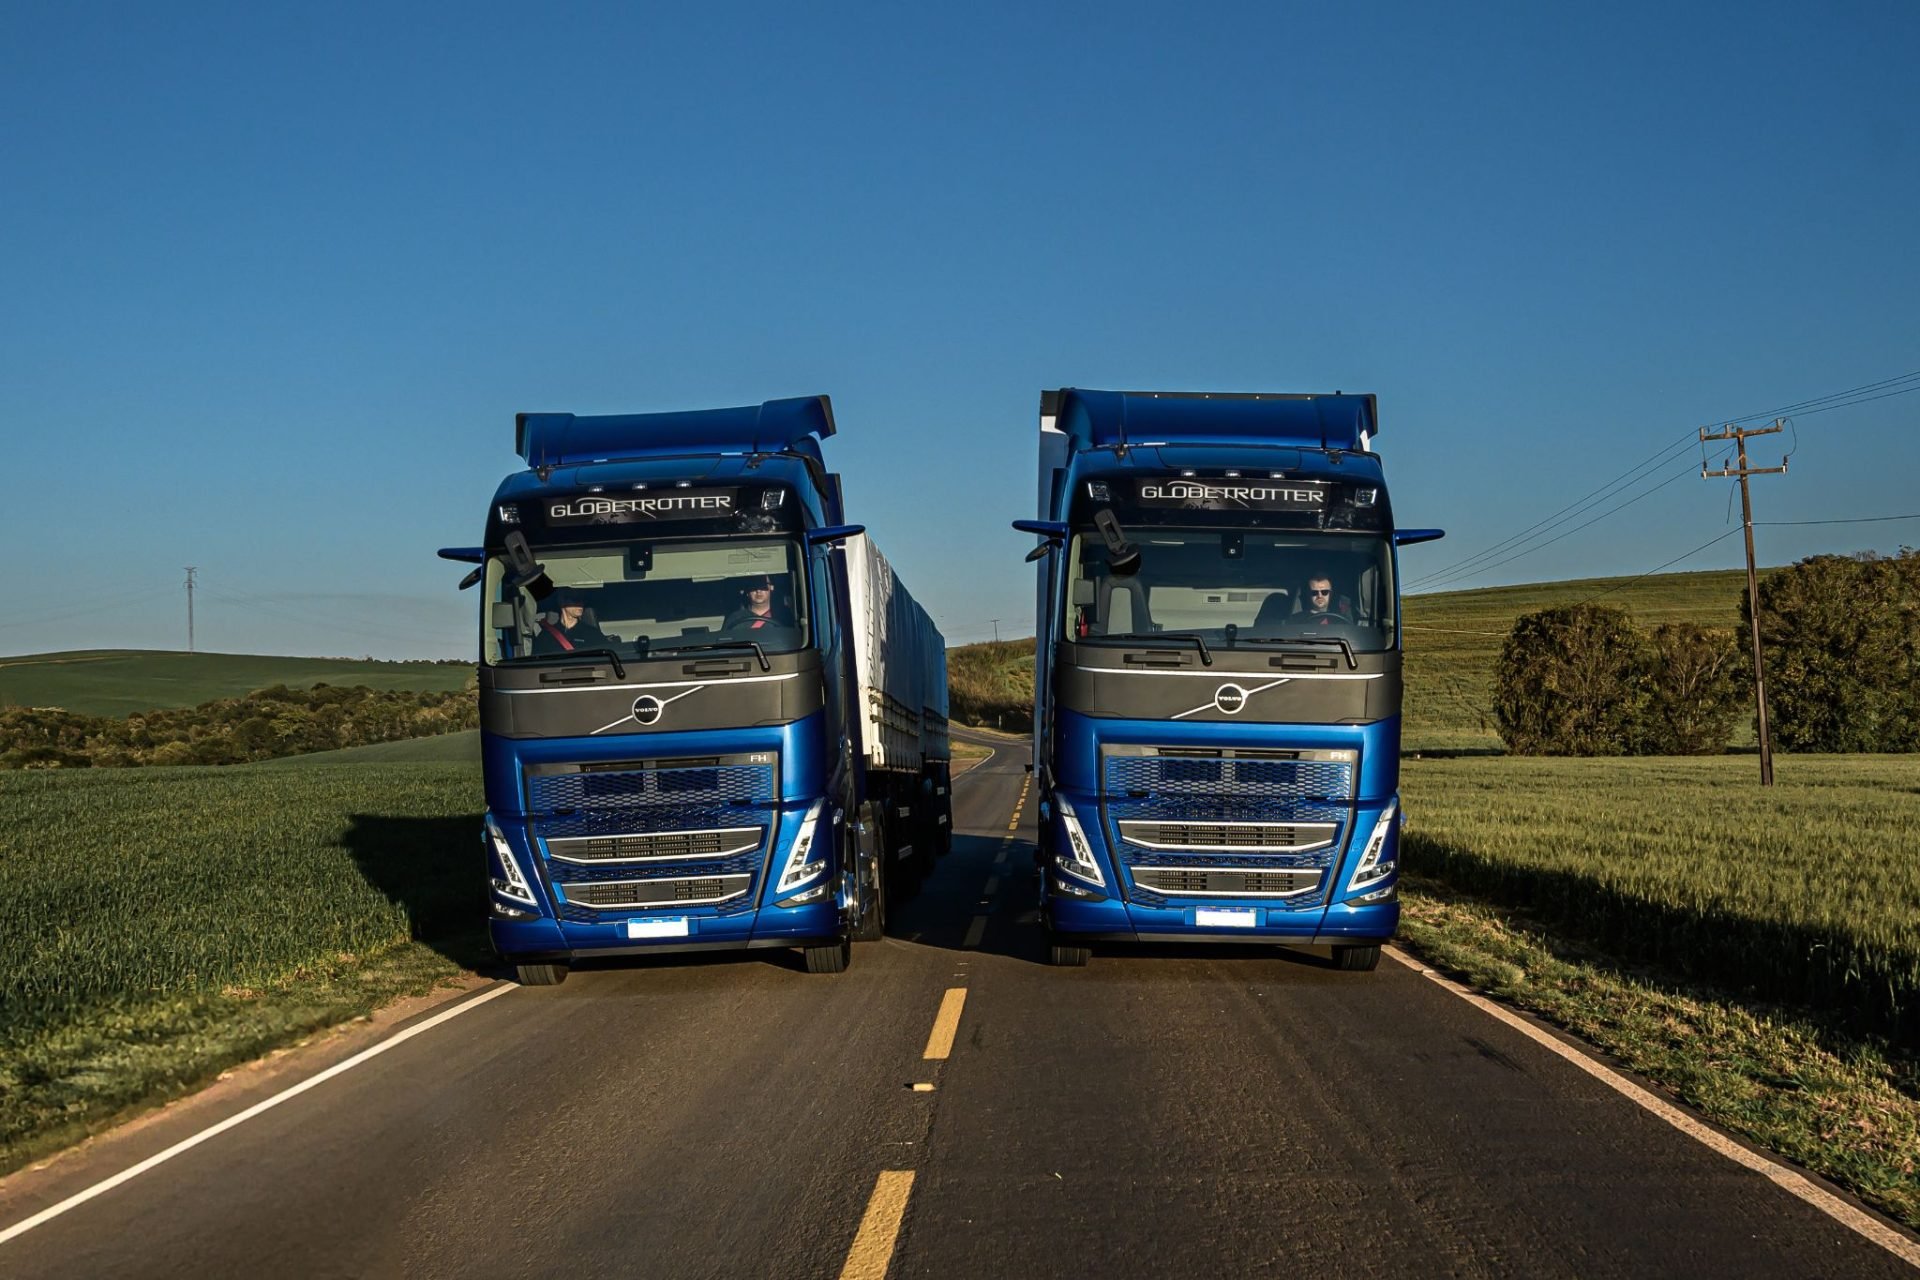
671	927
1225	917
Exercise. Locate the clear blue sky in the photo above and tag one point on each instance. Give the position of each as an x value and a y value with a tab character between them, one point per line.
278	277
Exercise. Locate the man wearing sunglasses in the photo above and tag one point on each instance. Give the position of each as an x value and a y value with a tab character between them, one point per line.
1322	609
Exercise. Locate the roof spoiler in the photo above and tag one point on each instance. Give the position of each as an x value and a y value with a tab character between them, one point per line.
1127	419
777	426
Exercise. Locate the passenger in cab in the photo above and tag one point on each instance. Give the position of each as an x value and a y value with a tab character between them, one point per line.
569	629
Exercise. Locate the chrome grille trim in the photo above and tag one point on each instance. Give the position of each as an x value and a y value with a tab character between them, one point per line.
681	891
1224	882
690	845
1229	837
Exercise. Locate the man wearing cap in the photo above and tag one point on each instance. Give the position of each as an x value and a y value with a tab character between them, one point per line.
756	612
569	630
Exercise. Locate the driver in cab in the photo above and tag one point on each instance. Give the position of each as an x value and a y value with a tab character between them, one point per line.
757	612
1321	608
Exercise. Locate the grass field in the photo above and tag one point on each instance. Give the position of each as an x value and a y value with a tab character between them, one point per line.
445	748
1807	892
119	682
162	924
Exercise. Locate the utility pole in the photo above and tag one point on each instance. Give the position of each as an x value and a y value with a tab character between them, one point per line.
190	573
1730	432
996	631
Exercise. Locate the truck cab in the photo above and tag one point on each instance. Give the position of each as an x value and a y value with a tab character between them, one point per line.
1218	672
666	675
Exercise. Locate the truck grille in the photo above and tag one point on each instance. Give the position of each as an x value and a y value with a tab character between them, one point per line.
1222	882
660	846
702	827
609	895
1281	837
1196	822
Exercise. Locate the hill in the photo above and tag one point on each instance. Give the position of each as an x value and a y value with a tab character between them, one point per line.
1453	640
119	682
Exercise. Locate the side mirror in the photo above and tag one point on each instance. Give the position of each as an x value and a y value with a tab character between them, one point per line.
1407	537
833	533
473	576
1123	558
1054	531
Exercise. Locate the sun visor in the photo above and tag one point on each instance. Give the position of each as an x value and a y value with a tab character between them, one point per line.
1104	419
778	426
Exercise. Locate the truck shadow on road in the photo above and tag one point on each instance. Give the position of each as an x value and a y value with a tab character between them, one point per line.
430	868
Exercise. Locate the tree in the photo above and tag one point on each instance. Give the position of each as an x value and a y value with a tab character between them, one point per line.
1694	681
1841	637
1569	683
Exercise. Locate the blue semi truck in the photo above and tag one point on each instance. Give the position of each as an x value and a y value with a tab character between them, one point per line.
711	717
1218	679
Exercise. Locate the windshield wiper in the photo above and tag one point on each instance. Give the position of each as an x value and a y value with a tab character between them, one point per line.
1206	655
530	659
1337	642
758	652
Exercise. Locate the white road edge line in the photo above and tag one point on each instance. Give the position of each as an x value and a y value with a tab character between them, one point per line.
1787	1179
127	1175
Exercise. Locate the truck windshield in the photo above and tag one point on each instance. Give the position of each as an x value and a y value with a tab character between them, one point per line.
644	598
1233	587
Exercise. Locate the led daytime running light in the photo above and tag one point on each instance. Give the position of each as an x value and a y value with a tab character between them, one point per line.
798	870
1078	860
515	886
1371	870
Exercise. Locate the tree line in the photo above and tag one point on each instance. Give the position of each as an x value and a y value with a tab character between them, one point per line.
262	725
1840	639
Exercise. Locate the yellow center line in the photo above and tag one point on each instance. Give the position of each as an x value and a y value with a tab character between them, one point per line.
872	1251
945	1024
1001	856
993	886
975	931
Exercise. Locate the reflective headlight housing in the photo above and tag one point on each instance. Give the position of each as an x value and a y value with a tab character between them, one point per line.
1374	866
802	866
507	879
1077	860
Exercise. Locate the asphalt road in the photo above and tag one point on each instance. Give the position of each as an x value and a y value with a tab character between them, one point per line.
1238	1112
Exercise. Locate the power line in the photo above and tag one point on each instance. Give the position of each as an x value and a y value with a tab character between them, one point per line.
1768	524
1621	586
1431	584
1885	388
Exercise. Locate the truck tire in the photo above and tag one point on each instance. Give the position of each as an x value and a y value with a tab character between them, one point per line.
1067	957
831	958
1356	959
540	975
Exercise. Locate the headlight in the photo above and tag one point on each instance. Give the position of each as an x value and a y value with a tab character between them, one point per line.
1372	870
1078	859
509	883
801	865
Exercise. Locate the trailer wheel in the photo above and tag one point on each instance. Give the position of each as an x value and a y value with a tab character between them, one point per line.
540	975
1067	957
831	958
1356	959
